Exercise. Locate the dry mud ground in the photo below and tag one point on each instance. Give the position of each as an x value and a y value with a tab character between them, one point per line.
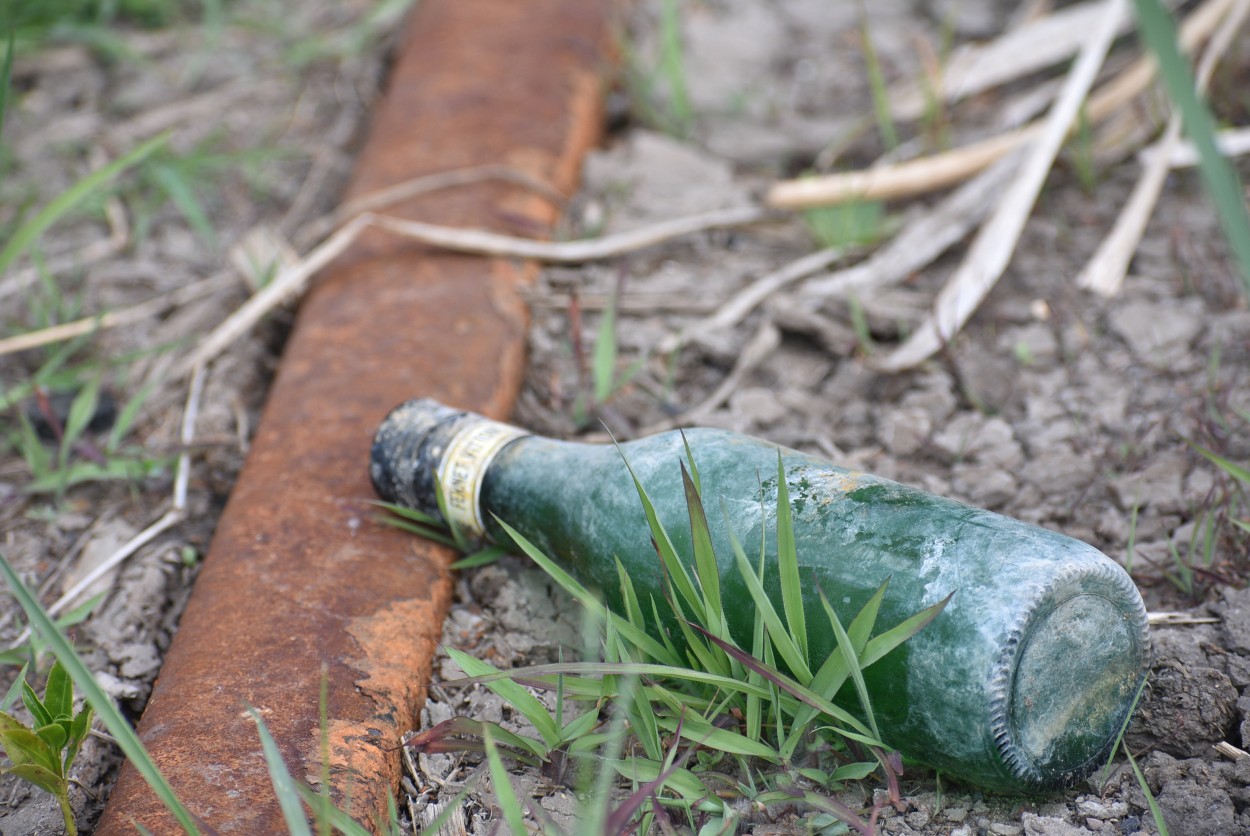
1055	405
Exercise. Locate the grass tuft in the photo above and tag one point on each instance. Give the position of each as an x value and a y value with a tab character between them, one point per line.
42	625
680	714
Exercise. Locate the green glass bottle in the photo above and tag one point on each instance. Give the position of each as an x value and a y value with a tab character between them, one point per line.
1021	684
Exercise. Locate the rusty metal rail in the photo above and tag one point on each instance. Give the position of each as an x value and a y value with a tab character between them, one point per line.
298	579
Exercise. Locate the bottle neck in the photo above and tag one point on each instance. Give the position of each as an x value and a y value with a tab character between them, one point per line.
432	458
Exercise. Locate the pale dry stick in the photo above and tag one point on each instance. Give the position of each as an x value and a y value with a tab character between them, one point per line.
176	513
291	282
915	246
1230	751
1105	271
996	242
178	506
746	300
938	171
921	241
918	176
113	319
286	285
117	240
1234	142
480	242
1177	619
1015	54
425	184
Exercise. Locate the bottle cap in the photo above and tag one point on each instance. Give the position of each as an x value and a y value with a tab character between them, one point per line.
424	449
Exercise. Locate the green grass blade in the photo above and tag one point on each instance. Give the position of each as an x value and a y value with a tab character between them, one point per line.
80	413
876	84
1155	812
182	194
643	723
701	656
435	534
284	786
516	696
852	663
570	585
682	781
1119	738
505	794
694	468
706	569
6	74
127	417
703	733
482	557
834	671
71	197
604	362
125	736
863	622
904	630
1234	470
637	669
1159	33
333	817
788	564
672	564
854	771
755	704
860	732
789	651
672	66
410	514
15	690
629	597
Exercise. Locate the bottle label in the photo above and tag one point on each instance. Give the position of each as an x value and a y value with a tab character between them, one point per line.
469	453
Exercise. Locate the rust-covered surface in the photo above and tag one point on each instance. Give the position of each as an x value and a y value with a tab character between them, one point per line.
299	579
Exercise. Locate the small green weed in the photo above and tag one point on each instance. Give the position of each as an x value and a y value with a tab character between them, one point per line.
39	746
876	84
855	223
350	41
1080	154
75	454
605	378
89	186
64	18
935	121
659	94
41	625
43	752
29	653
